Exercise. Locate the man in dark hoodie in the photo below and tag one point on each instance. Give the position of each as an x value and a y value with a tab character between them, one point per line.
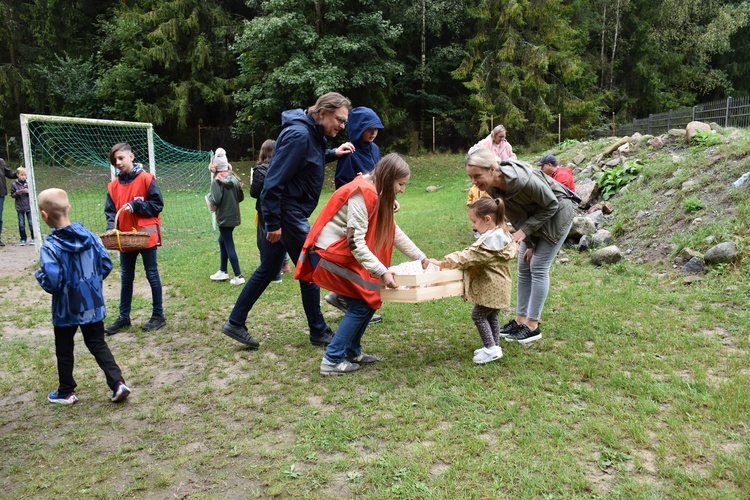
290	194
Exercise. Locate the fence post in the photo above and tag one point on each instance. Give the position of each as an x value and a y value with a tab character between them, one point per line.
695	112
669	120
649	123
632	129
433	134
726	117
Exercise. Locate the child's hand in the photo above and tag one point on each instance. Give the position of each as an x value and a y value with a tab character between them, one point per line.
389	280
434	262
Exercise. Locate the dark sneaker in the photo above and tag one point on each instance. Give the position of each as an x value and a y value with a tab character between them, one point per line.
154	323
2	244
362	359
322	340
336	302
524	335
240	334
118	325
120	393
376	318
510	328
328	368
62	398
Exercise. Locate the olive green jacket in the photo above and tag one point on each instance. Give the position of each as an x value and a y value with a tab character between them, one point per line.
226	194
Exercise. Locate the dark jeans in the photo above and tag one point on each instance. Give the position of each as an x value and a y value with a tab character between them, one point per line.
127	275
227	251
22	225
2	203
93	337
348	339
294	229
260	239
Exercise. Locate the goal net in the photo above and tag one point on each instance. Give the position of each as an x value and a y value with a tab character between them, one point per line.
73	154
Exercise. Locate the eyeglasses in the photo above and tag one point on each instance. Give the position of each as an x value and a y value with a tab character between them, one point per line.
342	121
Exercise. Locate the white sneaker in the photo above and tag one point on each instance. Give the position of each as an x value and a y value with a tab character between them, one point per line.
237	280
487	355
219	276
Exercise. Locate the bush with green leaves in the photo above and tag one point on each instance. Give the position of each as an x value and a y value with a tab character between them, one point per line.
611	181
705	138
692	204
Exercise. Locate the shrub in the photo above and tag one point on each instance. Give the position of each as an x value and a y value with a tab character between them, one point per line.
705	138
611	181
692	204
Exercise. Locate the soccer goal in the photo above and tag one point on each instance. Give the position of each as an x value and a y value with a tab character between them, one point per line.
73	154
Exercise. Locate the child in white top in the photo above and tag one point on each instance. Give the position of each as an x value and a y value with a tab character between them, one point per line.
486	267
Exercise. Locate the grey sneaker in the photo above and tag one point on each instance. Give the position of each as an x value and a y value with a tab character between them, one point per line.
240	334
322	340
336	302
362	359
328	368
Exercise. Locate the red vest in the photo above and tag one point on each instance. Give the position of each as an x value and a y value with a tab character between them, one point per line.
127	221
337	269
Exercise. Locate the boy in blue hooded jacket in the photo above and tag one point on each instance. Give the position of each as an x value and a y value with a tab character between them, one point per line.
364	125
74	264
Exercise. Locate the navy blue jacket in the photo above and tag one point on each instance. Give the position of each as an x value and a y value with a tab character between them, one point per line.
366	154
297	168
74	263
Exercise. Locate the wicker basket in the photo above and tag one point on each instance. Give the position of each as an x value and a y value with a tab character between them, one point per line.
124	240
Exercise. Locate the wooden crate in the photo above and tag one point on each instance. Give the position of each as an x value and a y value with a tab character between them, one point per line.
425	286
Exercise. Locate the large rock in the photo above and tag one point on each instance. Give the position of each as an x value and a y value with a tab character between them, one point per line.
601	237
581	226
692	128
588	190
693	266
722	253
606	255
656	142
597	218
579	158
676	132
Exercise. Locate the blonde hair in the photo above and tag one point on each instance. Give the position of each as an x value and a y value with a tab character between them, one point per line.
21	170
266	151
54	202
389	169
498	129
482	158
330	102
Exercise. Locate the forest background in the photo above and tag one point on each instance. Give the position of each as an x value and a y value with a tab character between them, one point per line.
211	73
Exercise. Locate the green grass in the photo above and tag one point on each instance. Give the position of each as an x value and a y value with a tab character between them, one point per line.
640	387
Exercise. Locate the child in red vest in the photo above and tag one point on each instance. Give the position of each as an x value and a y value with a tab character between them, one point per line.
135	192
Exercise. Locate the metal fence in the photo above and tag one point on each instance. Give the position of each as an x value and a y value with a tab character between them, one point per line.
729	112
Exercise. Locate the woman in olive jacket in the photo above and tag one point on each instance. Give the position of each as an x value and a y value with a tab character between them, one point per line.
541	211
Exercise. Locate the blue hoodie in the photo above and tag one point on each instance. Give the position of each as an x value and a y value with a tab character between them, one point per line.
366	154
297	168
74	263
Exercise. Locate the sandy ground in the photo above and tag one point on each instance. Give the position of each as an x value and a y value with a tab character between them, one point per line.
17	260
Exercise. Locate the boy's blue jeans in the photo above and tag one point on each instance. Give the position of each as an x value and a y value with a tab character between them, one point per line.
294	229
348	339
127	275
22	225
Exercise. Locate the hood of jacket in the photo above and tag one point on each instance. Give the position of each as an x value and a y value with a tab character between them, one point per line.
126	177
74	238
360	119
229	181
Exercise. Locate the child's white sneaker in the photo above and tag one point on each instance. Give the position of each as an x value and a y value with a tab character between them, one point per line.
488	354
219	276
237	280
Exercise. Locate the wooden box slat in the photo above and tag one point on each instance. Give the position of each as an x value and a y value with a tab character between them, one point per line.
422	293
429	278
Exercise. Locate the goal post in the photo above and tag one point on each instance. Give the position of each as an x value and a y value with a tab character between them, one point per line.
73	154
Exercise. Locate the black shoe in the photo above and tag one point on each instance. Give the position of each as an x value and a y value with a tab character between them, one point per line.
524	335
510	328
154	323
240	334
322	340
376	318
2	244
118	325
